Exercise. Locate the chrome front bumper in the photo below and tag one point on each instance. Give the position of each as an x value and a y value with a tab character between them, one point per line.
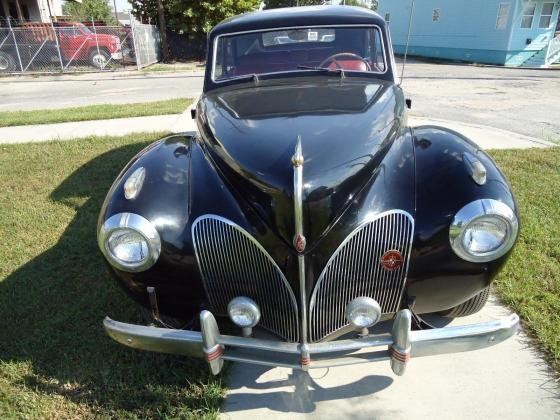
398	347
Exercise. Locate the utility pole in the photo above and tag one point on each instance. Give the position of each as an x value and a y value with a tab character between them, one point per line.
115	9
163	29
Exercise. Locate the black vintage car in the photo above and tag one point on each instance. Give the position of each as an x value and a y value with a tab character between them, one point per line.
305	210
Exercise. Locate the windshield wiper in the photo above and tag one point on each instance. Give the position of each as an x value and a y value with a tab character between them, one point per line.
324	69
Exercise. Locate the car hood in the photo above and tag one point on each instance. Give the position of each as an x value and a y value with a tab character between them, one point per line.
345	127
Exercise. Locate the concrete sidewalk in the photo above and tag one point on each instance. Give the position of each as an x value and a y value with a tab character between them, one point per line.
508	381
485	137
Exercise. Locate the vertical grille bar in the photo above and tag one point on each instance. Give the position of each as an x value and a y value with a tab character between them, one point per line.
354	270
233	263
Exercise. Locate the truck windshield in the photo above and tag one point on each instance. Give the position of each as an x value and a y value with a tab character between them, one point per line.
353	49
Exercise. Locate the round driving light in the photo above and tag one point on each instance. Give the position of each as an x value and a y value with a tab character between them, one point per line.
483	230
129	242
244	312
363	312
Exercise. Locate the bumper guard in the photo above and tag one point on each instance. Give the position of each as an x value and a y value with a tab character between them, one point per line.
398	347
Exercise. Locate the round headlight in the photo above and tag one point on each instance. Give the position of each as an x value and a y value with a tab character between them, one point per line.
363	312
483	230
244	312
129	242
128	246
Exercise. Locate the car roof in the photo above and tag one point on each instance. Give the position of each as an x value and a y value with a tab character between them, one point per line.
298	16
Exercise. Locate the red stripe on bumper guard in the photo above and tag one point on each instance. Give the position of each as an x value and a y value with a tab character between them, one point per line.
305	361
398	355
214	354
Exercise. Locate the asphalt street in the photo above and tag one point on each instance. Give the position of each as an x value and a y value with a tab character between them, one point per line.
520	100
49	92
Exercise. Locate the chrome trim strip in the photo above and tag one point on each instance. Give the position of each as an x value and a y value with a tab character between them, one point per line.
215	48
232	263
372	237
298	161
371	348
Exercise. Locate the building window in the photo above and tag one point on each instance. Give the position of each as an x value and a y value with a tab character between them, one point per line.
388	17
503	16
528	15
436	15
546	15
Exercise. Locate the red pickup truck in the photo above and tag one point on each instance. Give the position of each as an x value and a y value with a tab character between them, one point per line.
36	44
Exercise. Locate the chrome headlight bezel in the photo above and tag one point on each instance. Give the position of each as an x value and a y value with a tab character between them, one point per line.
141	226
483	209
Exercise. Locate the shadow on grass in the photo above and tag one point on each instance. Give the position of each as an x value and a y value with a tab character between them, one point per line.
52	308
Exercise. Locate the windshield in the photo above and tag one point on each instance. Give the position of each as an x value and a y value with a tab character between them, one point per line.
357	49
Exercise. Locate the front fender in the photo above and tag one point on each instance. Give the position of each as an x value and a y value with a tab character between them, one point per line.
438	279
172	195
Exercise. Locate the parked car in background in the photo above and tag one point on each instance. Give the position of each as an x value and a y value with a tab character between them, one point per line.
305	210
35	44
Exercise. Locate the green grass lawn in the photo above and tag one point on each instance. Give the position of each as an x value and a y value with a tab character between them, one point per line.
94	112
55	359
530	281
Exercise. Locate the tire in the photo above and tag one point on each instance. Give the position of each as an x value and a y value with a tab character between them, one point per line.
99	59
471	306
7	62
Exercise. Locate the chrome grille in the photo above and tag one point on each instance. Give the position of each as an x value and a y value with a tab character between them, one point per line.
233	263
354	270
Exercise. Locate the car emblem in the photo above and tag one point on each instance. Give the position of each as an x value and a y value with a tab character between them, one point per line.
299	243
391	260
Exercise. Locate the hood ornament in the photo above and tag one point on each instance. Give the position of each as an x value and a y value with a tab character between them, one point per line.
297	158
298	161
299	245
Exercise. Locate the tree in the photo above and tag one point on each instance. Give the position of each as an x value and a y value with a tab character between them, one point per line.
193	16
372	4
88	9
274	4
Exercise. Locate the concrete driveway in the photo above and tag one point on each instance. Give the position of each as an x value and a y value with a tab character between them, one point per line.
507	381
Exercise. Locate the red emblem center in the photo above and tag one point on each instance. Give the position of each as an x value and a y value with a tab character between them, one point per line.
299	243
391	260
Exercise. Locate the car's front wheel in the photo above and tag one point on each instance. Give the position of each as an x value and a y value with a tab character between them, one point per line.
471	306
99	58
7	62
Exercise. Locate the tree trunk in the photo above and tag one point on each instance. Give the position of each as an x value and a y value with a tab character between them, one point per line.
163	29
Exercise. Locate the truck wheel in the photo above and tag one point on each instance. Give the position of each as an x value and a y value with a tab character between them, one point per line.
471	306
7	62
99	59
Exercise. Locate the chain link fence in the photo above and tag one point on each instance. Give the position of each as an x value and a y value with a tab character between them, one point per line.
38	47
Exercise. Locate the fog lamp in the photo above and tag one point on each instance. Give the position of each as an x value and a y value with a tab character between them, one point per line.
363	312
244	312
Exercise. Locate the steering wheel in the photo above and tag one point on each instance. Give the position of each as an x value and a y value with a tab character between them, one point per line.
335	57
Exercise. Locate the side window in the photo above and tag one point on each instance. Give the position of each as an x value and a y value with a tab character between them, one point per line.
528	15
503	16
546	15
378	60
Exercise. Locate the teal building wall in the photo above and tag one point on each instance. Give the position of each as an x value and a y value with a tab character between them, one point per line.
483	31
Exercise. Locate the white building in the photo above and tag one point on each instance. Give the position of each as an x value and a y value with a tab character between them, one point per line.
30	10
